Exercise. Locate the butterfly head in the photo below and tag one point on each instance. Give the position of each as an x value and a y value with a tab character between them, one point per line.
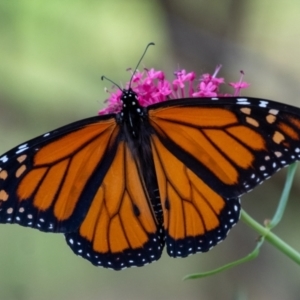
132	111
130	103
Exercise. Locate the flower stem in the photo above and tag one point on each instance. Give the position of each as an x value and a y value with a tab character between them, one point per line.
271	237
284	196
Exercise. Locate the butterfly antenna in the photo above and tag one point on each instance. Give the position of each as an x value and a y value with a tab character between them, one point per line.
150	44
104	77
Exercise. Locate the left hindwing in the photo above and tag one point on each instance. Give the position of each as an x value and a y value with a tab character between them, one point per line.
232	144
119	229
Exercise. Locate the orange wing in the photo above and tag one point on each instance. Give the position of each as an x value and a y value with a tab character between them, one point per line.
119	229
195	217
208	152
231	146
47	183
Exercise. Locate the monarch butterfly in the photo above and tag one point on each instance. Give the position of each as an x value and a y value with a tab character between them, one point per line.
121	185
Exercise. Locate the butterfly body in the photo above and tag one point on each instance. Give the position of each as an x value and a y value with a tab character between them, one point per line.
136	133
120	186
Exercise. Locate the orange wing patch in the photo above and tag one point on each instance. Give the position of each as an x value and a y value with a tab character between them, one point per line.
62	168
199	116
120	217
222	146
120	223
247	136
194	214
198	145
229	147
72	142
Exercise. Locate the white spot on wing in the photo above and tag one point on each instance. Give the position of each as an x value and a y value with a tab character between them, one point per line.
273	111
21	149
23	146
242	101
263	103
4	158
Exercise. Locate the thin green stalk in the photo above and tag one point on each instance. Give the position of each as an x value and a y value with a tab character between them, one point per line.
246	258
271	237
284	196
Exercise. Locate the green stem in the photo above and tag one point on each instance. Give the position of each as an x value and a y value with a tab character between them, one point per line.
271	237
246	258
284	196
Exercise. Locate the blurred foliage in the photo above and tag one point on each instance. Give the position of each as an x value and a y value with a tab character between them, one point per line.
52	55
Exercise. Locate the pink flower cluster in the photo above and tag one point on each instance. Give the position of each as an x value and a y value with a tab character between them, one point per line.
152	87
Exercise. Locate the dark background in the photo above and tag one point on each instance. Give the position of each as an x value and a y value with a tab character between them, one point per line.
52	55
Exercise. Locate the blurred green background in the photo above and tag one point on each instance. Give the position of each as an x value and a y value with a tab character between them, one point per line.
52	55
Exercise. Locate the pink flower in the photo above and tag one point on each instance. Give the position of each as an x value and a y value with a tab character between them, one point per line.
179	84
206	90
239	85
152	73
152	87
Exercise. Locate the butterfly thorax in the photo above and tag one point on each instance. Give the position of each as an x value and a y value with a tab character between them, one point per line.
132	113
